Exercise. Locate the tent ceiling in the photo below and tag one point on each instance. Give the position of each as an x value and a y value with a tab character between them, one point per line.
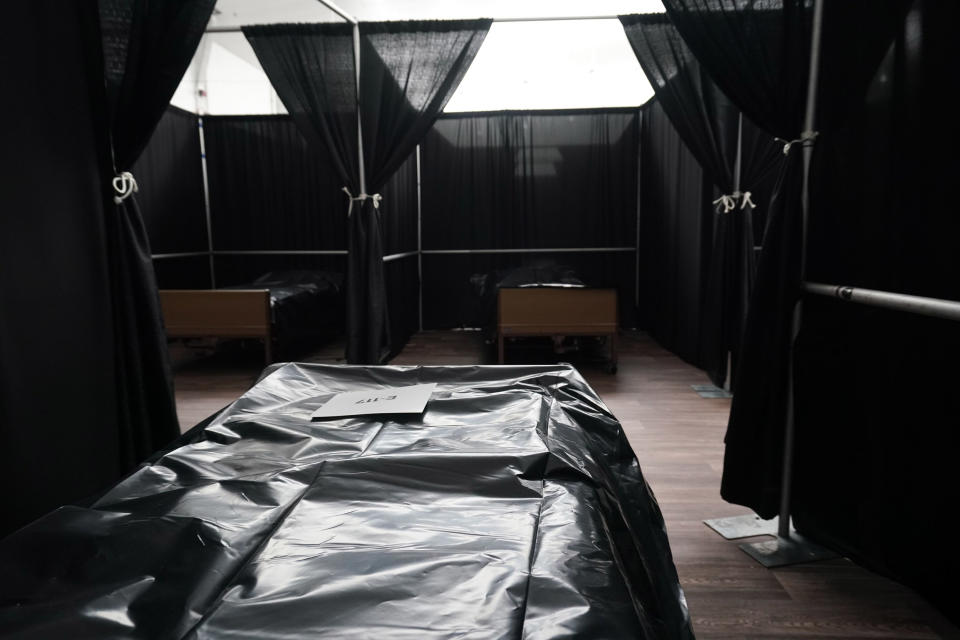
522	65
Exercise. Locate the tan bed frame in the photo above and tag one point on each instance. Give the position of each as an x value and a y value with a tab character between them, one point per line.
546	311
218	313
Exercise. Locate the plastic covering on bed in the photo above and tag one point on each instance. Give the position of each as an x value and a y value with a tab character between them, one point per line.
305	304
513	507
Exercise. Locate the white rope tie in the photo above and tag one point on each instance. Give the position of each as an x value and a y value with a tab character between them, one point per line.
376	197
125	185
728	202
807	138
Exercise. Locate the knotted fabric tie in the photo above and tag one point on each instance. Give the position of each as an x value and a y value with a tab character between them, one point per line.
125	185
376	197
728	202
807	138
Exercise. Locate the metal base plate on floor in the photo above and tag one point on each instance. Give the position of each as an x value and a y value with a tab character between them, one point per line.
747	526
781	552
710	391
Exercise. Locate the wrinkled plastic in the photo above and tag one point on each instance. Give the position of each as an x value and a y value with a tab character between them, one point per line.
512	508
305	304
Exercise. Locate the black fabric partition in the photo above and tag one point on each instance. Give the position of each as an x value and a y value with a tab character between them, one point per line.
758	55
270	189
170	179
710	126
877	436
400	237
58	391
527	180
147	46
675	236
408	71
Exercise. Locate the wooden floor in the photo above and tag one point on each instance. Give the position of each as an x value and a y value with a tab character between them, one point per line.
678	438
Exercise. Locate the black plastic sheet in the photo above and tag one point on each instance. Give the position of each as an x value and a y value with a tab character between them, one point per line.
513	507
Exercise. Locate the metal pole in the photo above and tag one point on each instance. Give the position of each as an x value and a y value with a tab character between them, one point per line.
789	547
337	10
206	202
353	20
419	241
636	275
920	305
356	64
738	162
786	487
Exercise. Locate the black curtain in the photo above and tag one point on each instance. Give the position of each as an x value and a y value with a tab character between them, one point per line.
527	180
758	55
408	72
400	237
710	126
877	436
58	392
675	236
269	188
170	178
147	46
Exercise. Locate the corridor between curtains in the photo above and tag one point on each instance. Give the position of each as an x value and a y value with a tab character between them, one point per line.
408	71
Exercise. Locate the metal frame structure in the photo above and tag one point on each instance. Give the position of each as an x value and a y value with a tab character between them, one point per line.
353	20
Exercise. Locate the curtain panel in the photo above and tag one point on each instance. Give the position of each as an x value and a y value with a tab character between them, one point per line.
147	47
408	71
712	128
758	55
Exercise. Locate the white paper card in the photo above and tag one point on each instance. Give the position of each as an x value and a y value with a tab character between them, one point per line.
412	399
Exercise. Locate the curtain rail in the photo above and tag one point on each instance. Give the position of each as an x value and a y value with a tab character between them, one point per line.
282	252
397	256
525	19
182	254
920	305
559	250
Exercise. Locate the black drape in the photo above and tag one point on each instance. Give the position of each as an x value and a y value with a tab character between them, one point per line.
527	181
147	46
710	126
58	392
269	188
675	236
408	71
758	55
170	178
879	386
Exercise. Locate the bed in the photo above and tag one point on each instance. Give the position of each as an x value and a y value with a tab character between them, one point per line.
281	308
546	299
513	507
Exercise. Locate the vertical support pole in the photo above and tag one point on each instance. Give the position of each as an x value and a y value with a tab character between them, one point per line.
737	170
419	242
206	202
356	64
636	276
786	486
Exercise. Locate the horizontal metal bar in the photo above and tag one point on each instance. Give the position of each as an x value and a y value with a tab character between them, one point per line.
934	307
331	252
524	19
185	254
558	250
554	18
397	256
